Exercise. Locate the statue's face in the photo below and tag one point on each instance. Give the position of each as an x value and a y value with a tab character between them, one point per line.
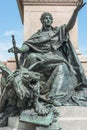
47	21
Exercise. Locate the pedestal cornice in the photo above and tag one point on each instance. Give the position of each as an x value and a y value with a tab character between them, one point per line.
21	4
50	1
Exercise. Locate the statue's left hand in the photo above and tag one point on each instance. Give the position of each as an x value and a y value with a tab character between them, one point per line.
80	5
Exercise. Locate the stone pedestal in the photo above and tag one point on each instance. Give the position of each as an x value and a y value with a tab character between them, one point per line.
71	118
11	64
14	124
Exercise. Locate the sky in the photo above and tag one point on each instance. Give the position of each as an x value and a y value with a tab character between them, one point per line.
10	23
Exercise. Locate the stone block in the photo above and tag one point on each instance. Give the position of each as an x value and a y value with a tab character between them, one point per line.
11	64
13	122
71	118
7	128
73	123
72	111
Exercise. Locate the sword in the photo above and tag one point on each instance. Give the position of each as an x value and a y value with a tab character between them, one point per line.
15	53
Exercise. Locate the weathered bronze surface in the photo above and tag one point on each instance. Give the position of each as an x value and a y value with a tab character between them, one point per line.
49	75
31	116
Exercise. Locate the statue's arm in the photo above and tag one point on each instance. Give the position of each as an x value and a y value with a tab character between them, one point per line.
72	20
22	49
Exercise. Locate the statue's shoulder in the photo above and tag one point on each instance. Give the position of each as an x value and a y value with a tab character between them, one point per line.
36	34
39	31
34	37
56	29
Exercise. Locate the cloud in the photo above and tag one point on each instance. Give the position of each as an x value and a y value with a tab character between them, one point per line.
8	33
5	57
84	52
4	46
4	54
6	42
13	32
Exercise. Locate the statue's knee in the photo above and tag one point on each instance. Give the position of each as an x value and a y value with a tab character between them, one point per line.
62	67
31	59
31	56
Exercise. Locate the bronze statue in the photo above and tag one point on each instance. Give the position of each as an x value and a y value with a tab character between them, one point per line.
49	68
50	52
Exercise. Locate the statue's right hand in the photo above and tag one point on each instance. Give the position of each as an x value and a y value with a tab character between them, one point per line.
16	50
11	50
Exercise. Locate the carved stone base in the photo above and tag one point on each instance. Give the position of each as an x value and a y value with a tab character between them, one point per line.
71	118
54	126
13	122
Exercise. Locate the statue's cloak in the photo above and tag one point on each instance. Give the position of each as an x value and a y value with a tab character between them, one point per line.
43	42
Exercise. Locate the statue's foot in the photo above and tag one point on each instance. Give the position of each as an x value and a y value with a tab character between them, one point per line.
1	115
3	120
41	109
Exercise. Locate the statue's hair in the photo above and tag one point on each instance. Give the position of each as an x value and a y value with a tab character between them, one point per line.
45	14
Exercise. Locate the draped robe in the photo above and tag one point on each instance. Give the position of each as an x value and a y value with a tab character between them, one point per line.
51	53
